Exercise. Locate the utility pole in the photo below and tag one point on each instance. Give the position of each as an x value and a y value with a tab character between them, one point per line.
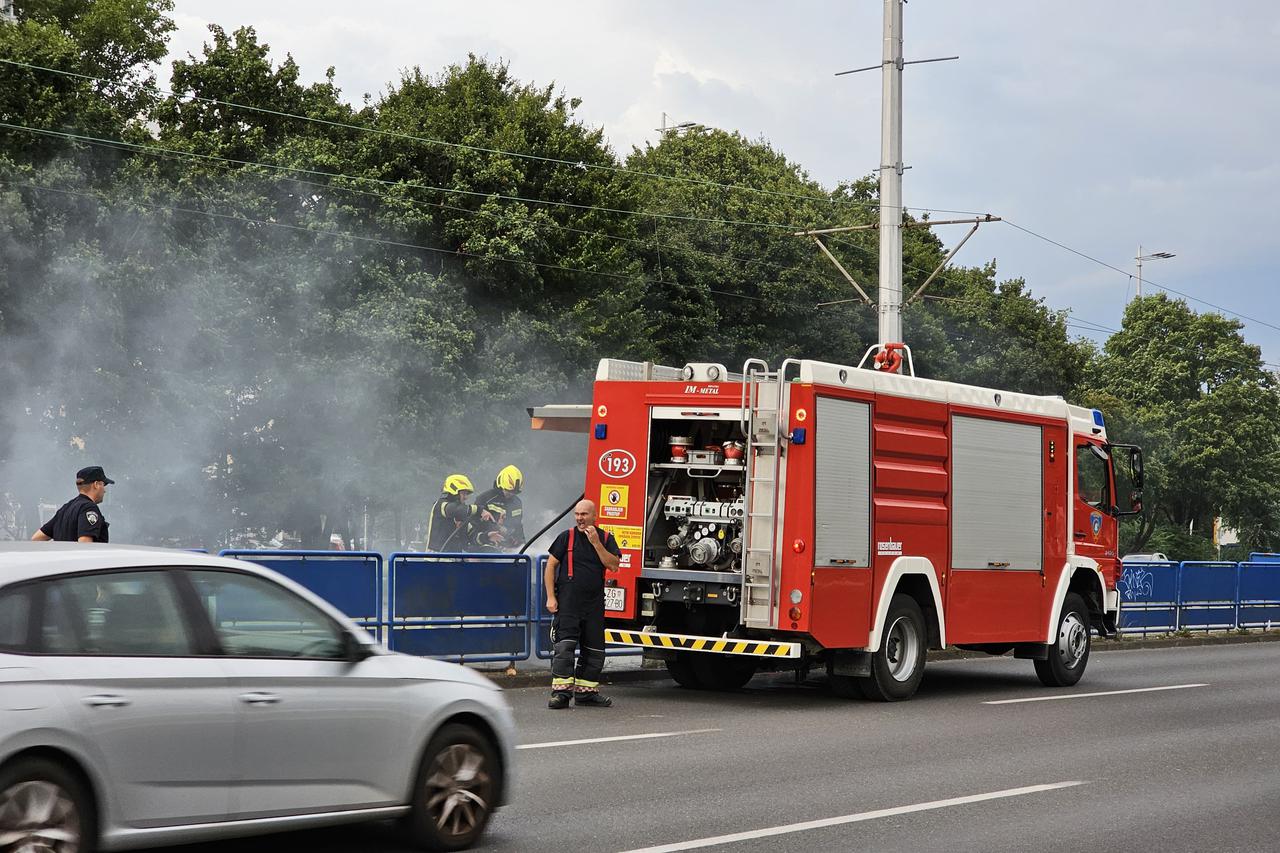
890	298
889	301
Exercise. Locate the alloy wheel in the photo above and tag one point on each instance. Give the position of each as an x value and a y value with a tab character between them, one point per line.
38	816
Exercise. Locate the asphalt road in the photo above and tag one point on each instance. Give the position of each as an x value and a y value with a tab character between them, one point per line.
788	767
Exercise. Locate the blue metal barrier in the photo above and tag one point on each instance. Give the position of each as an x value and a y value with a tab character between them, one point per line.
541	621
1148	598
462	607
1200	596
349	580
1259	602
1207	596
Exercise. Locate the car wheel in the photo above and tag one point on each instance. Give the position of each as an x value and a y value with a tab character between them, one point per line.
44	809
456	790
898	665
1069	655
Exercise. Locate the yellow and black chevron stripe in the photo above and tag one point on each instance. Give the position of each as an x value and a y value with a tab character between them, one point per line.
702	644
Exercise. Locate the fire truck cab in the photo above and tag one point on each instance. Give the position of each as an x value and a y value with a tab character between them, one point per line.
821	514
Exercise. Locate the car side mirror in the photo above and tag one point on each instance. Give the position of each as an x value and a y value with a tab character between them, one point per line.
356	650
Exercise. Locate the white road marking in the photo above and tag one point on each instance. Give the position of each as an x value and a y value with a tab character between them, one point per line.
1088	695
550	744
852	818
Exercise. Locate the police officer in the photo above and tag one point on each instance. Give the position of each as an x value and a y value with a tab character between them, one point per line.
447	527
502	502
574	579
80	519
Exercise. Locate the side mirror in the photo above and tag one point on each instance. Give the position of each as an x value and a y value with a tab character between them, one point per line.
355	650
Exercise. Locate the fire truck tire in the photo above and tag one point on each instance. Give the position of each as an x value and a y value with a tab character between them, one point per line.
723	672
680	667
898	665
1069	655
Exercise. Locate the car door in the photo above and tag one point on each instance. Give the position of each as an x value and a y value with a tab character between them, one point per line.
318	732
127	662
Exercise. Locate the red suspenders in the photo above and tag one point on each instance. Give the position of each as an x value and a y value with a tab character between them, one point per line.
571	532
604	537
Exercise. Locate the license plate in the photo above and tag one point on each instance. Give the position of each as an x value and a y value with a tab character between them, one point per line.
615	598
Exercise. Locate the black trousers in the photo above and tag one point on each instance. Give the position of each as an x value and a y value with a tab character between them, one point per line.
578	628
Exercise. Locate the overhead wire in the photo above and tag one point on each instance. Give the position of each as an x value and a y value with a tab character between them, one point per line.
582	165
246	220
160	151
1127	274
579	164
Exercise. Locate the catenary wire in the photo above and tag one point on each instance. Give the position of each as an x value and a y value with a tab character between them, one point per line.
172	153
244	220
1127	274
582	165
158	151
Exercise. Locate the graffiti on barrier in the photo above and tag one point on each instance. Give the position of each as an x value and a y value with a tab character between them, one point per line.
1136	584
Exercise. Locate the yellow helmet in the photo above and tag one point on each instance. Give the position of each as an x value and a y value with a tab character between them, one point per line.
455	483
509	478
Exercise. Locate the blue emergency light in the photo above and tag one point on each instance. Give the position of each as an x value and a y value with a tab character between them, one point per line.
601	431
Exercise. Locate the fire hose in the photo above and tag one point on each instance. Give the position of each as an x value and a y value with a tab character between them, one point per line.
553	523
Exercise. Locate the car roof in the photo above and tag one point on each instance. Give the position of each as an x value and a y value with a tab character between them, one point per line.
26	560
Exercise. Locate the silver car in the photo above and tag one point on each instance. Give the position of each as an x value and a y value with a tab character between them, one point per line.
151	696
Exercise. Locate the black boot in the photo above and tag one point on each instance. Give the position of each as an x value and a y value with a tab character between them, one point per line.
592	699
559	701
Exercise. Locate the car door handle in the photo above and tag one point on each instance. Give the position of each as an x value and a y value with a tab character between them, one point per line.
259	698
1079	535
106	700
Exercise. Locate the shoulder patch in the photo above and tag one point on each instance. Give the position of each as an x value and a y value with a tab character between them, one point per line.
91	517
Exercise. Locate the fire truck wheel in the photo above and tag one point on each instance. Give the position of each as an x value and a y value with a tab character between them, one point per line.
723	672
680	667
1070	654
898	665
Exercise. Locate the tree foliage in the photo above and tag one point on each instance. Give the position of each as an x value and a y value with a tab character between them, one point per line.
1201	403
266	307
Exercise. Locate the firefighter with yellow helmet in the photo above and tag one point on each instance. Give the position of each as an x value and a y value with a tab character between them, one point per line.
504	530
450	515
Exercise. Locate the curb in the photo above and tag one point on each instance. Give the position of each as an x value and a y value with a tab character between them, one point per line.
541	677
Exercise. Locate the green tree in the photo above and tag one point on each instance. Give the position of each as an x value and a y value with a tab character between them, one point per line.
113	44
1197	397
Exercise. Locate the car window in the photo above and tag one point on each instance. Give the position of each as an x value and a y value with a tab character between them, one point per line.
254	617
15	612
114	613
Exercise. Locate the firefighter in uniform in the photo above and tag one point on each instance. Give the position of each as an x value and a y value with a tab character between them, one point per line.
502	502
574	579
447	527
80	519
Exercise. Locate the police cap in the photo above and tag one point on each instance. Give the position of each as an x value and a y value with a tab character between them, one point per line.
93	474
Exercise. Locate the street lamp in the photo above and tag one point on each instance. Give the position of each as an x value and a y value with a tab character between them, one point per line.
1153	256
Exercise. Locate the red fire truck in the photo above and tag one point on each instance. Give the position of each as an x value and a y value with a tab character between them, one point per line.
821	514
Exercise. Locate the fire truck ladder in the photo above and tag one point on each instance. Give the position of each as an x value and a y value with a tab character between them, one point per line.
761	401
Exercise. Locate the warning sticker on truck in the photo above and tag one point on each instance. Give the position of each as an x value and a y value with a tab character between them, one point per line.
628	537
613	502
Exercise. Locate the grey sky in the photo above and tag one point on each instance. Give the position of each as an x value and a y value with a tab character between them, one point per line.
1101	124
